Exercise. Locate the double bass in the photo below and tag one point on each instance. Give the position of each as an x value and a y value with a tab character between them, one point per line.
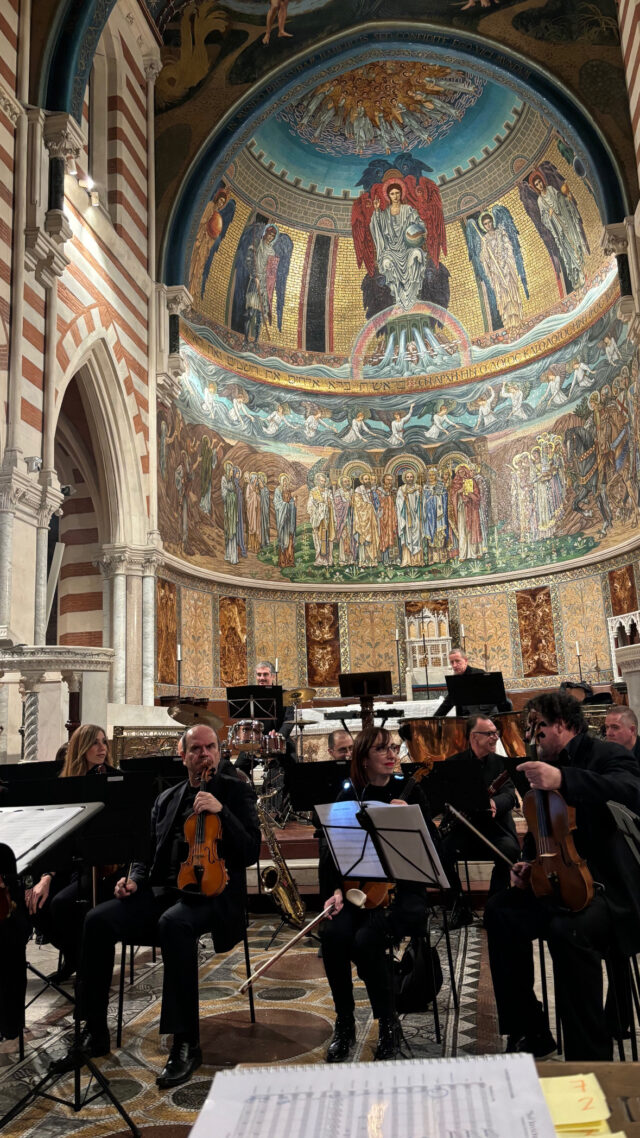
203	870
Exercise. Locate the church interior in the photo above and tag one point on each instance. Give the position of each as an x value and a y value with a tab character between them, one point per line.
319	352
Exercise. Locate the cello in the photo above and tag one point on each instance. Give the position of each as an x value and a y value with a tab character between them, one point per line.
203	870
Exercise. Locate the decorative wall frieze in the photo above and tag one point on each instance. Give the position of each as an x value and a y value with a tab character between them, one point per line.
628	658
33	660
9	105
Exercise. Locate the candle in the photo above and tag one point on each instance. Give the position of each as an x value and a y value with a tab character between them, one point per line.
276	665
577	648
179	655
397	634
462	630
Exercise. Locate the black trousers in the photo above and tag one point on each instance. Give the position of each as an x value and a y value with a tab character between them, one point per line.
161	917
362	936
577	943
462	845
62	916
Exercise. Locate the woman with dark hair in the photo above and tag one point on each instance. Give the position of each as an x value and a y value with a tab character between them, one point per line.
362	935
55	901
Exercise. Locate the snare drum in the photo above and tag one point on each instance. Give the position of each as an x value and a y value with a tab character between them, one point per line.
246	735
274	745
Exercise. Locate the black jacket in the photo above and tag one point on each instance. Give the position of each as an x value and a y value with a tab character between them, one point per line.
447	703
240	846
505	799
595	772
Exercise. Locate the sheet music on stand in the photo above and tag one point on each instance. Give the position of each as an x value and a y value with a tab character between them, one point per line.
498	1095
30	831
405	850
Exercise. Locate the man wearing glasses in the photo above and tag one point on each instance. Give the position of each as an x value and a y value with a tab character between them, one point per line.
496	823
588	773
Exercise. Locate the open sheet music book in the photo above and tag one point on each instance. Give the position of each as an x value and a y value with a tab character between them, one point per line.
30	831
488	1096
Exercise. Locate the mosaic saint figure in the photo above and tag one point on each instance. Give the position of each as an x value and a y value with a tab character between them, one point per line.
164	441
208	462
365	523
261	267
218	214
237	482
388	521
435	517
183	478
230	514
523	498
265	516
465	503
322	518
285	510
494	251
252	505
409	513
343	511
398	232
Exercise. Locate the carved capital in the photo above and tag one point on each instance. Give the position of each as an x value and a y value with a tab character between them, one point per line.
136	561
178	299
30	682
152	67
20	495
72	679
63	137
614	240
9	105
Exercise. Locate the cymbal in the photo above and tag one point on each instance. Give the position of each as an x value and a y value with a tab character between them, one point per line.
297	695
189	714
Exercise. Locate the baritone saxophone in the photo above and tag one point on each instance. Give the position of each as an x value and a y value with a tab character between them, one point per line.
276	879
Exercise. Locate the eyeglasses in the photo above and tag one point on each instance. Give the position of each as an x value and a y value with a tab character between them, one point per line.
487	734
393	747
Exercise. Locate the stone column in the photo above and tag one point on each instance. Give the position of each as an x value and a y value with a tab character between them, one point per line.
7	515
149	630
628	660
19	495
30	692
51	502
134	632
119	631
152	68
73	680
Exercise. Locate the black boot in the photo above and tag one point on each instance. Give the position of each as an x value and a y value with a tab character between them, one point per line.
461	914
344	1038
389	1038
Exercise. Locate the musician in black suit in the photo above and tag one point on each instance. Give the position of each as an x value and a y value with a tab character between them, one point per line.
496	824
149	909
588	772
459	662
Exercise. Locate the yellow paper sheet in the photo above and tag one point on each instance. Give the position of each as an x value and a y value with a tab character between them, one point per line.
575	1101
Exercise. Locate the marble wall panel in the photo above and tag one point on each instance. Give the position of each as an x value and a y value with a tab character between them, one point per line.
167	631
372	637
323	644
487	635
197	639
275	637
233	641
584	620
537	634
622	587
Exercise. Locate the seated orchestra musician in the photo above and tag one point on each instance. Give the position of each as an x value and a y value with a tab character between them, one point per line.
459	662
54	902
588	772
362	935
150	909
497	825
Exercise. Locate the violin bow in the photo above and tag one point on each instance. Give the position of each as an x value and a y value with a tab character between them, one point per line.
470	826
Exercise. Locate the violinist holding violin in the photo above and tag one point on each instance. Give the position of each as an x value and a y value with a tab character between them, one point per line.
149	908
587	773
362	935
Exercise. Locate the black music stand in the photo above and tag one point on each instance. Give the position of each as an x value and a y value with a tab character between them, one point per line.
308	783
476	693
78	1057
460	783
256	701
365	686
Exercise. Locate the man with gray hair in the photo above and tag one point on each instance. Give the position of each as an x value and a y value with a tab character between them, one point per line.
621	726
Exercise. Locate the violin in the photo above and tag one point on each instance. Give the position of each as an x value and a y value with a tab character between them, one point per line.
558	868
379	893
203	871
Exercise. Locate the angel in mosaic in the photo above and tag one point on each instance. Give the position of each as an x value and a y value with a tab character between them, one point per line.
439	421
261	268
548	200
516	393
581	375
217	217
483	404
494	250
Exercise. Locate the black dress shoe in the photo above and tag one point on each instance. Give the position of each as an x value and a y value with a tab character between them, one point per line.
389	1038
344	1038
540	1044
93	1043
63	973
184	1059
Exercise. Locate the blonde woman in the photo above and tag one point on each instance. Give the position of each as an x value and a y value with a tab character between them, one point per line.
53	901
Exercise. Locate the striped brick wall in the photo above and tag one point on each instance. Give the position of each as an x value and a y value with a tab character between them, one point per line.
127	152
629	19
8	47
80	583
